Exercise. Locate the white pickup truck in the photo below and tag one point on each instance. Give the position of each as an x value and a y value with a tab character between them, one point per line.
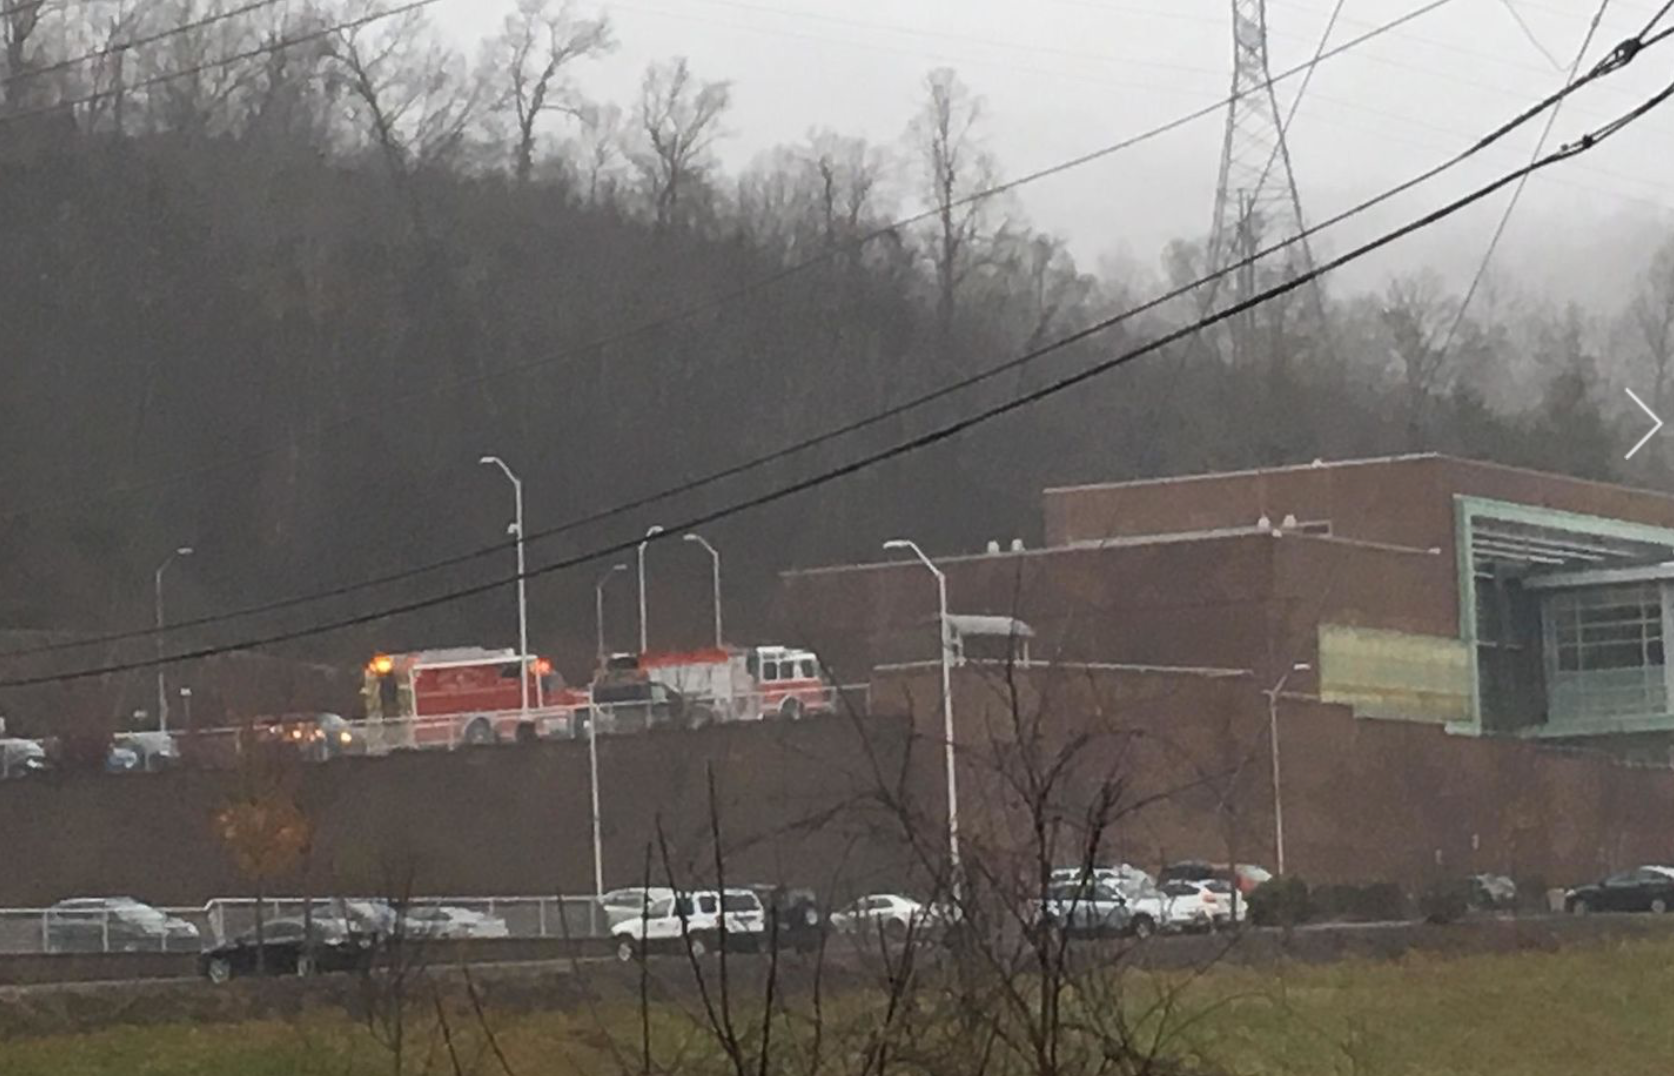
699	922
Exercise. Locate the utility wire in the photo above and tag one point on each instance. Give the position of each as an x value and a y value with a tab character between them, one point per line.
221	61
942	433
1528	32
1517	192
1658	17
1604	69
693	310
136	43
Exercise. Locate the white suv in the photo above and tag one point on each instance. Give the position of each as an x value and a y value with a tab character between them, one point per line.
697	922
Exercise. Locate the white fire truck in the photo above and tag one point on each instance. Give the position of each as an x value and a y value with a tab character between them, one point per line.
736	683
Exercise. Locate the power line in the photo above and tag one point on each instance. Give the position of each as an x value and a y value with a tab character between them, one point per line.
727	298
858	425
1528	32
136	43
221	61
1517	192
1661	14
942	433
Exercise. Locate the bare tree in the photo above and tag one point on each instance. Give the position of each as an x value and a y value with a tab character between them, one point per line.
533	52
598	151
678	119
1651	316
18	24
414	95
1417	317
953	166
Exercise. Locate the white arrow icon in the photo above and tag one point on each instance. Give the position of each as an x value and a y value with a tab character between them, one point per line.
1654	429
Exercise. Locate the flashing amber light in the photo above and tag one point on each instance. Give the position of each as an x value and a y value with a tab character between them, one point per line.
382	665
543	667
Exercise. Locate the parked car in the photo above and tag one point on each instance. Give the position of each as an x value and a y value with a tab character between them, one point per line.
619	904
634	705
1246	876
377	918
20	758
447	921
699	922
1642	889
793	917
289	947
1124	876
316	736
1093	909
890	914
114	925
1203	905
155	750
1492	891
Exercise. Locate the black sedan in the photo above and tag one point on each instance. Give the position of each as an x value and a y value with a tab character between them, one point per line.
1643	889
289	947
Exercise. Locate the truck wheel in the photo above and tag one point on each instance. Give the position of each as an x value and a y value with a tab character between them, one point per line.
479	732
626	950
219	970
1142	927
792	709
1580	907
526	732
698	946
304	966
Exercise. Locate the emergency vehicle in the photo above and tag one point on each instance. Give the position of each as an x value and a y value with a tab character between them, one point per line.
738	683
465	695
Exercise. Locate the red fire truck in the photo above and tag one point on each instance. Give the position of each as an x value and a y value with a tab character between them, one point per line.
740	683
465	695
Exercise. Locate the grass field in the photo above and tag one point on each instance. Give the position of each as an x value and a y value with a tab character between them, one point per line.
1588	1011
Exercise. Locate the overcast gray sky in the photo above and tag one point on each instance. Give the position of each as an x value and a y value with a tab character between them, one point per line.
1061	77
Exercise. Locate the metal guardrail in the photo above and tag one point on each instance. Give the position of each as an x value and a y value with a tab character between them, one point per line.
221	748
117	930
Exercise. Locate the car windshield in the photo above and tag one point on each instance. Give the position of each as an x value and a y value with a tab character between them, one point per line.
740	902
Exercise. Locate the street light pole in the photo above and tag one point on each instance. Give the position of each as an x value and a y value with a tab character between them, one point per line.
1273	742
593	781
522	582
162	677
947	708
715	564
598	606
649	534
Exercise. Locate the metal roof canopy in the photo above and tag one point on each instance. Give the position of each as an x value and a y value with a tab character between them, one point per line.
979	626
1541	545
1592	577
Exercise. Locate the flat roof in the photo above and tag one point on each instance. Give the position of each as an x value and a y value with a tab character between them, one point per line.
1094	545
1370	461
1316	465
1204	672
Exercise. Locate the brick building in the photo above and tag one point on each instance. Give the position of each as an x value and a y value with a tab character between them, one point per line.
1489	600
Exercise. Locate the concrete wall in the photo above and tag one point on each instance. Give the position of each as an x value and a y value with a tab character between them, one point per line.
501	820
1364	800
801	803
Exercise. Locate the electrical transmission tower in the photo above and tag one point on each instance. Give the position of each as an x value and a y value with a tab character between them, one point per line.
1256	202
